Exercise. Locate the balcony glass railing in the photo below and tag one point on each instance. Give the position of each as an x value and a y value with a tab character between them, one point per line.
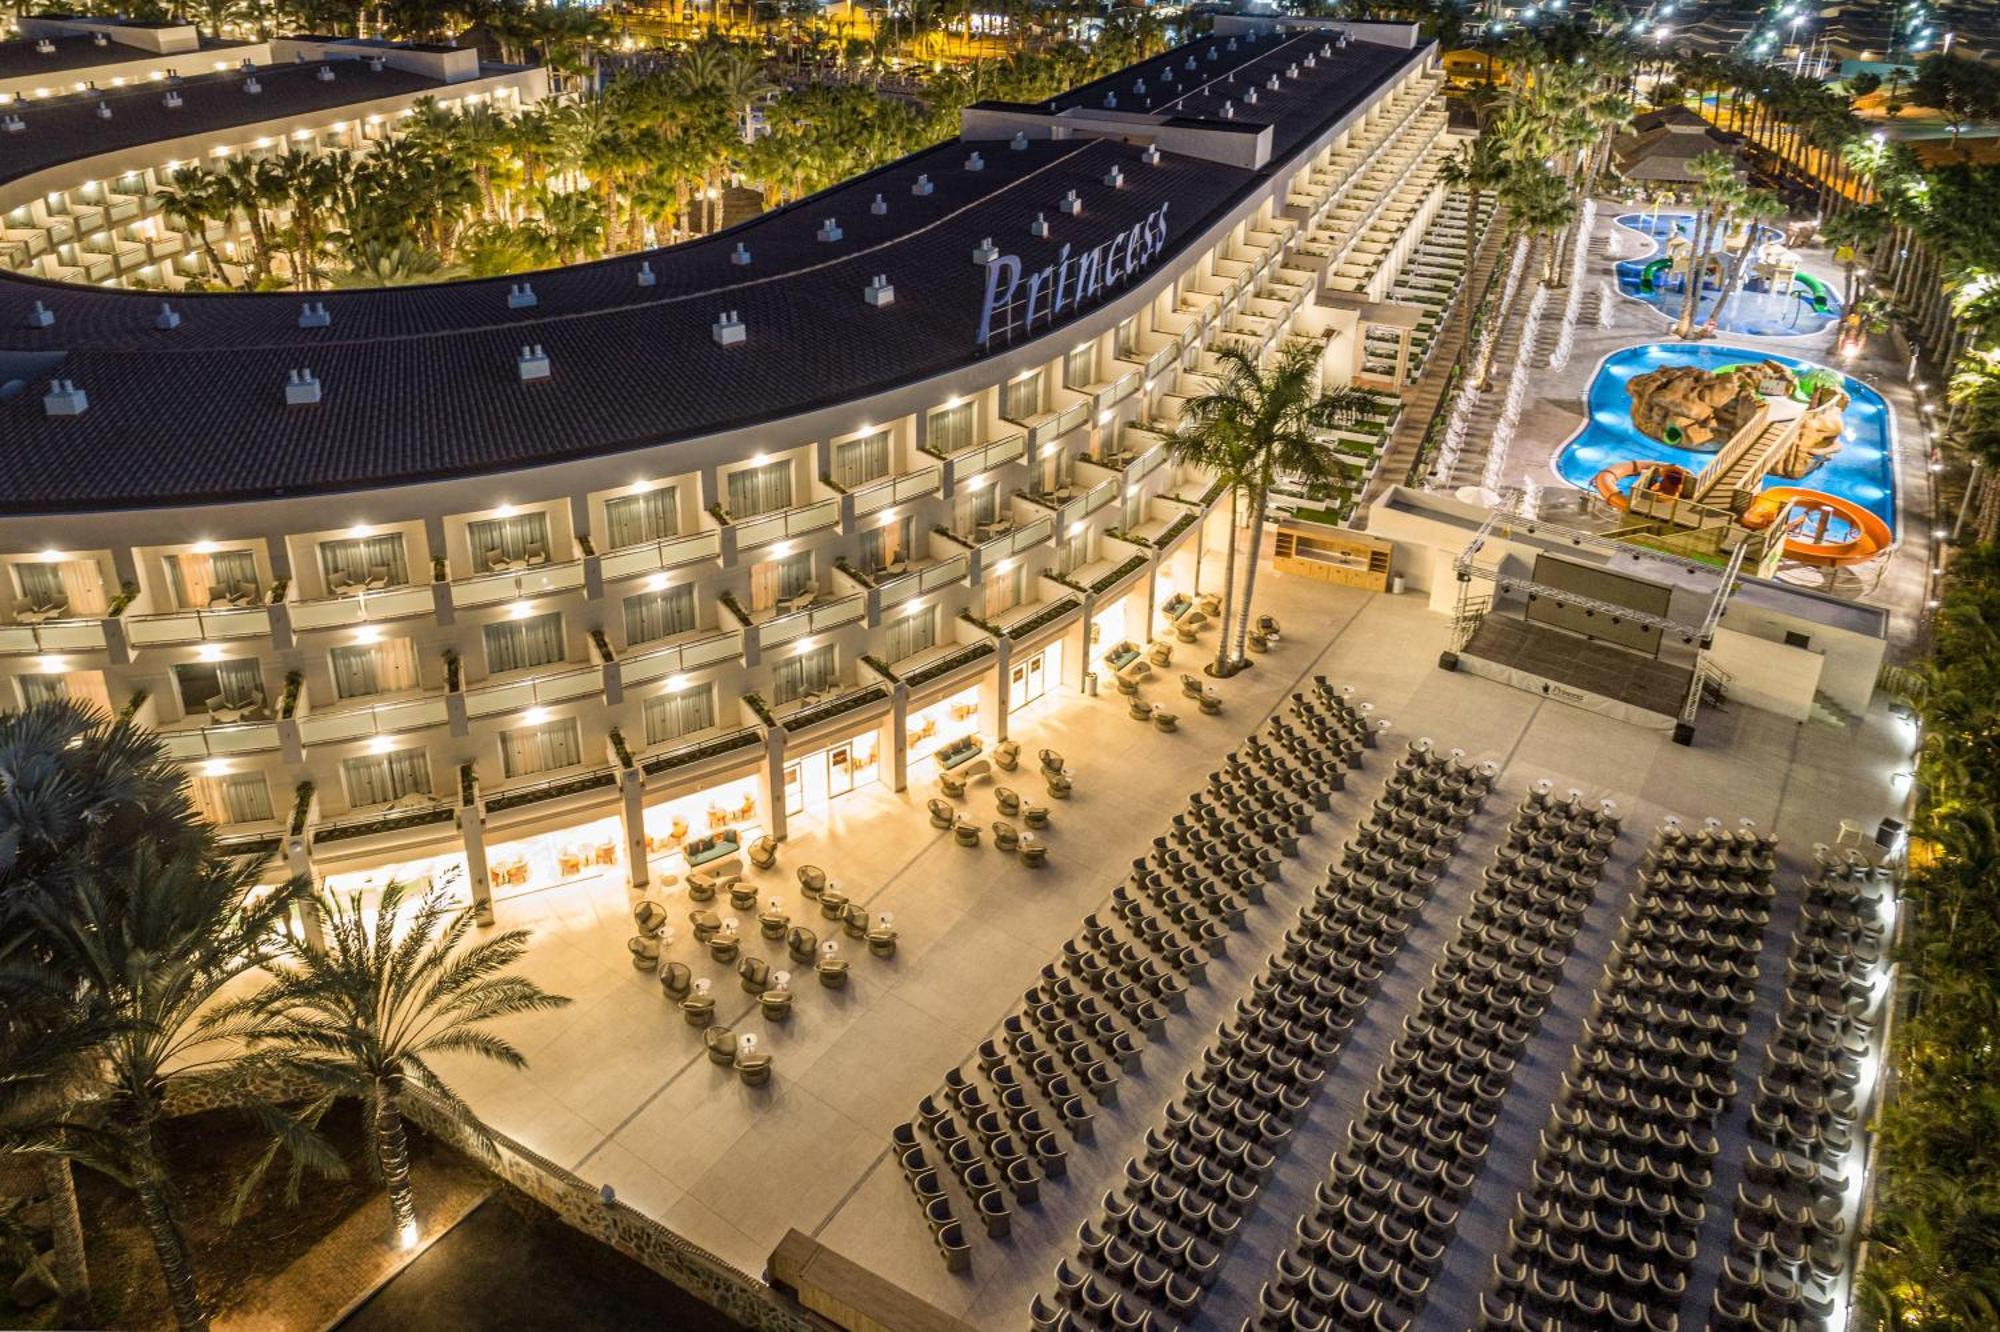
878	495
985	457
352	721
656	661
812	620
387	603
53	636
767	527
627	561
198	742
197	626
508	584
919	581
539	690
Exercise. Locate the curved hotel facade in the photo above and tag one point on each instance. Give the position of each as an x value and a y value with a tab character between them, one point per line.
513	582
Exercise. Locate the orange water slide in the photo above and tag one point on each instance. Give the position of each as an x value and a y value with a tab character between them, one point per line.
1870	535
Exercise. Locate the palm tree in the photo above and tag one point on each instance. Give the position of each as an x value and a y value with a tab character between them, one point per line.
1717	192
1755	209
1253	426
191	200
144	951
365	1017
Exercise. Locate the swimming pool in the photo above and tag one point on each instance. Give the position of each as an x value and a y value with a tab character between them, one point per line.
1863	472
1809	307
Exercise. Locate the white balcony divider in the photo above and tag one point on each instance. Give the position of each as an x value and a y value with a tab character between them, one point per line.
769	527
387	603
350	723
485	589
628	561
657	663
197	626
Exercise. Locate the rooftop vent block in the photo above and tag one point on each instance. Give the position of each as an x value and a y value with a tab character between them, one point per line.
1020	141
1271	84
1292	71
376	64
1115	178
1151	157
301	389
1167	74
1229	110
64	398
879	207
313	314
985	252
1190	62
167	319
13	124
1232	44
1310	62
728	329
1039	228
521	296
45	47
1111	101
325	74
99	39
252	87
878	292
1340	42
532	363
740	256
1140	87
1070	204
1250	97
104	110
829	230
172	101
646	277
1326	48
41	316
923	185
975	163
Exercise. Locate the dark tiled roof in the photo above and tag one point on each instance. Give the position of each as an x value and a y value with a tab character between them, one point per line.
63	129
79	55
420	383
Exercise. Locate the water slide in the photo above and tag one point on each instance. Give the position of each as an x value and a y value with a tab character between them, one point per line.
1821	294
1649	275
1809	517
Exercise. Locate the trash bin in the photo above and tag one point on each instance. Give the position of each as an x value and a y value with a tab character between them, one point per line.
1090	683
1396	584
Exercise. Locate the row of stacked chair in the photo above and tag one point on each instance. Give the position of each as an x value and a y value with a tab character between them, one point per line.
1364	1256
1789	1239
1148	1258
1606	1233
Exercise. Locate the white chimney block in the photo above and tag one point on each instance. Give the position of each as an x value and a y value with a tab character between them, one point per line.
64	398
646	278
1070	204
740	256
728	330
301	389
168	318
1140	87
1167	74
975	163
1020	141
1340	42
313	314
1310	62
1250	97
532	363
1151	157
923	185
878	292
829	230
1229	110
376	64
99	39
521	296
1232	44
172	101
252	87
1213	55
45	47
104	110
1326	48
1111	101
13	124
1190	61
1292	71
41	316
1115	178
1039	228
879	207
325	74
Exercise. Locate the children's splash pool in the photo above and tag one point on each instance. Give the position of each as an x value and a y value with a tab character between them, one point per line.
1863	472
1809	306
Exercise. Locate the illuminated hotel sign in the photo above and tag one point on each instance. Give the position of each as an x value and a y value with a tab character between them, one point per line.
1015	302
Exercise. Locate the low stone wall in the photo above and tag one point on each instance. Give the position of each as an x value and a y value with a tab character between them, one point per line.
711	1279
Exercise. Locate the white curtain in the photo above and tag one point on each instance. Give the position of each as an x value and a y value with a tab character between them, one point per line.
671	716
884	546
243	797
661	614
376	779
1080	367
513	538
1022	398
197	580
912	634
362	559
632	519
518	645
860	461
375	668
807	673
556	744
950	428
756	490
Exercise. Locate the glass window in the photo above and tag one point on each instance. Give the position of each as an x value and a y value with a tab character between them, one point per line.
884	546
206	685
495	542
631	520
859	461
1080	366
1073	553
41	689
772	581
242	797
360	562
1022	398
1006	591
660	614
911	634
556	744
1125	341
518	645
756	490
376	779
809	672
950	428
671	716
374	668
982	506
216	579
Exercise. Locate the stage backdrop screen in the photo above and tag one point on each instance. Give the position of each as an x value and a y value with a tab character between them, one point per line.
1599	584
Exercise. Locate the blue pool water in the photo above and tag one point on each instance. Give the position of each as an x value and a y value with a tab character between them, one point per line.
1863	472
1768	314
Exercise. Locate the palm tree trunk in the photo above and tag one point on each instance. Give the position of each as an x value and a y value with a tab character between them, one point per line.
392	1151
1708	325
156	1205
1258	497
66	1228
1221	667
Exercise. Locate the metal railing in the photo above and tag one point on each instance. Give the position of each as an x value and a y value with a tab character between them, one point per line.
626	561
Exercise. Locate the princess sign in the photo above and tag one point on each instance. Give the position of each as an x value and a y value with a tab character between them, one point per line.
1017	302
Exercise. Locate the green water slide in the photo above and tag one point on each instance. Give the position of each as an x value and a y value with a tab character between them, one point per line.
1820	294
1649	275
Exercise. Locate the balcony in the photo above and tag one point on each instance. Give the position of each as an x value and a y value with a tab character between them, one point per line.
875	496
359	719
1117	390
516	695
933	663
1034	616
654	556
550	788
683	754
510	584
691	652
785	625
193	742
373	820
363	607
764	528
925	576
53	636
198	626
815	709
981	458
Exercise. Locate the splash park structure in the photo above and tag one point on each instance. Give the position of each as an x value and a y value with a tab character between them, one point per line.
1776	298
1704	449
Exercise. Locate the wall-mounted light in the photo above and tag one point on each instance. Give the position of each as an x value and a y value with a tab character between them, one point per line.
209	652
535	716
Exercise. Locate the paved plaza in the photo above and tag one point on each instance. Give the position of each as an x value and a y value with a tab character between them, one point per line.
619	1088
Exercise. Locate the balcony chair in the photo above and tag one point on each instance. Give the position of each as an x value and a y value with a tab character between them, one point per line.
496	560
340	585
378	577
536	554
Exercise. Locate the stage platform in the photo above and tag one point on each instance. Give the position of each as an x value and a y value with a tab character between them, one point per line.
1579	671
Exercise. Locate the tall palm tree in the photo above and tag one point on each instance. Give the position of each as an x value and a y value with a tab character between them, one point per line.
365	1016
1255	424
1756	208
191	200
1717	192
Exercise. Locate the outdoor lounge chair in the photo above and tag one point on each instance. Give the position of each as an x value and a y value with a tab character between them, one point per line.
802	944
1005	837
1051	761
743	896
773	921
1035	816
1164	720
832	967
699	1005
1008	800
812	880
1006	755
832	904
764	852
965	832
776	1002
1059	786
752	1064
754	975
676	980
649	916
942	814
882	936
721	1044
1034	853
645	950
